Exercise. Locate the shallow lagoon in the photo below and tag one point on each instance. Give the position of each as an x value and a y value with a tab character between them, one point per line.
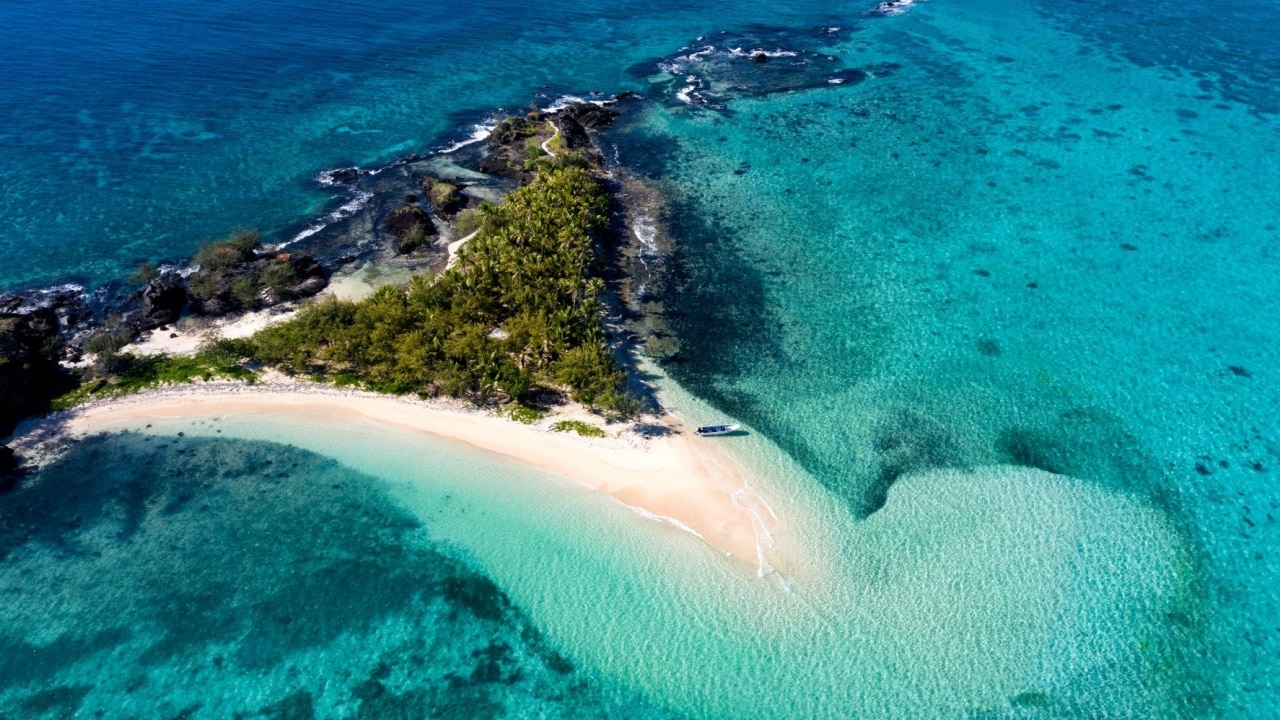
1043	239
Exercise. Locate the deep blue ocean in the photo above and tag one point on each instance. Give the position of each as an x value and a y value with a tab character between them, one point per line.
913	249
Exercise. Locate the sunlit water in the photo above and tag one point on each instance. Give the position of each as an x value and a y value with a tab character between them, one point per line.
1030	239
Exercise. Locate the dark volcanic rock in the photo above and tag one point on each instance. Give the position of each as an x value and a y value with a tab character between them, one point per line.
444	196
721	68
162	302
343	176
410	226
508	149
588	115
29	373
8	469
574	121
253	283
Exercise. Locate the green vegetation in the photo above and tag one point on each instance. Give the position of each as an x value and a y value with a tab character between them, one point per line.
557	143
518	311
579	427
129	373
145	273
236	248
468	221
443	195
234	277
522	413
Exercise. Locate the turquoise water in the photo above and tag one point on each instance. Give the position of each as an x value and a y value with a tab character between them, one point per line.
999	309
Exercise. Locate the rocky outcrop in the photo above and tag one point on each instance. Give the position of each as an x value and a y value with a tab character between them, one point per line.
445	197
588	115
247	281
8	469
29	373
162	302
410	226
508	146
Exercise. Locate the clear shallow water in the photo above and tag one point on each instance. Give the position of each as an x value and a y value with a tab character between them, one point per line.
1018	248
262	570
1037	235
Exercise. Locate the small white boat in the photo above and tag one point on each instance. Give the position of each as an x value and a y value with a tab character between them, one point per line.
707	430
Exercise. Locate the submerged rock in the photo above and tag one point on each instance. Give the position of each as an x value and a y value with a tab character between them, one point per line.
720	68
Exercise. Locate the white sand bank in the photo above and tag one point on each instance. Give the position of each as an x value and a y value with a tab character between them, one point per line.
675	477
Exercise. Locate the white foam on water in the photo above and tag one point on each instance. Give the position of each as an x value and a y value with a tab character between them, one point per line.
326	177
889	8
348	209
665	520
479	133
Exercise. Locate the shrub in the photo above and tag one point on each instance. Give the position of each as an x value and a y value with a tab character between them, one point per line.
145	273
579	427
444	196
236	248
103	343
468	221
523	413
278	276
245	291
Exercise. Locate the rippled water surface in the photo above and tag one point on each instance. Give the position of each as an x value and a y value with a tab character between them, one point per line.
994	286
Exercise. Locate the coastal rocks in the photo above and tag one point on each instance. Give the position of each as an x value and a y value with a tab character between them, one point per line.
162	302
340	176
512	144
445	197
717	69
234	278
8	469
29	372
573	123
587	115
410	226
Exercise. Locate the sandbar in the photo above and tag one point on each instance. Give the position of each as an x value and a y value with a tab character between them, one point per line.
664	472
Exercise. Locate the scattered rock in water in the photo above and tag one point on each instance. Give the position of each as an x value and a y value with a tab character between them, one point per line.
989	347
717	69
444	197
410	226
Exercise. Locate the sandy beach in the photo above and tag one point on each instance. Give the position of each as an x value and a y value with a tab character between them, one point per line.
670	476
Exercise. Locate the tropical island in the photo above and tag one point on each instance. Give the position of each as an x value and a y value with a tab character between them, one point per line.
510	323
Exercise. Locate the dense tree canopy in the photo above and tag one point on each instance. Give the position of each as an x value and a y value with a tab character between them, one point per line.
520	309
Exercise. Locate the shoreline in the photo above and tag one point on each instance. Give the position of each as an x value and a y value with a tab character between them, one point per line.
666	475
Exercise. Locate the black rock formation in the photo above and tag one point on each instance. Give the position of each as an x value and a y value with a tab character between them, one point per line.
410	226
162	302
29	373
